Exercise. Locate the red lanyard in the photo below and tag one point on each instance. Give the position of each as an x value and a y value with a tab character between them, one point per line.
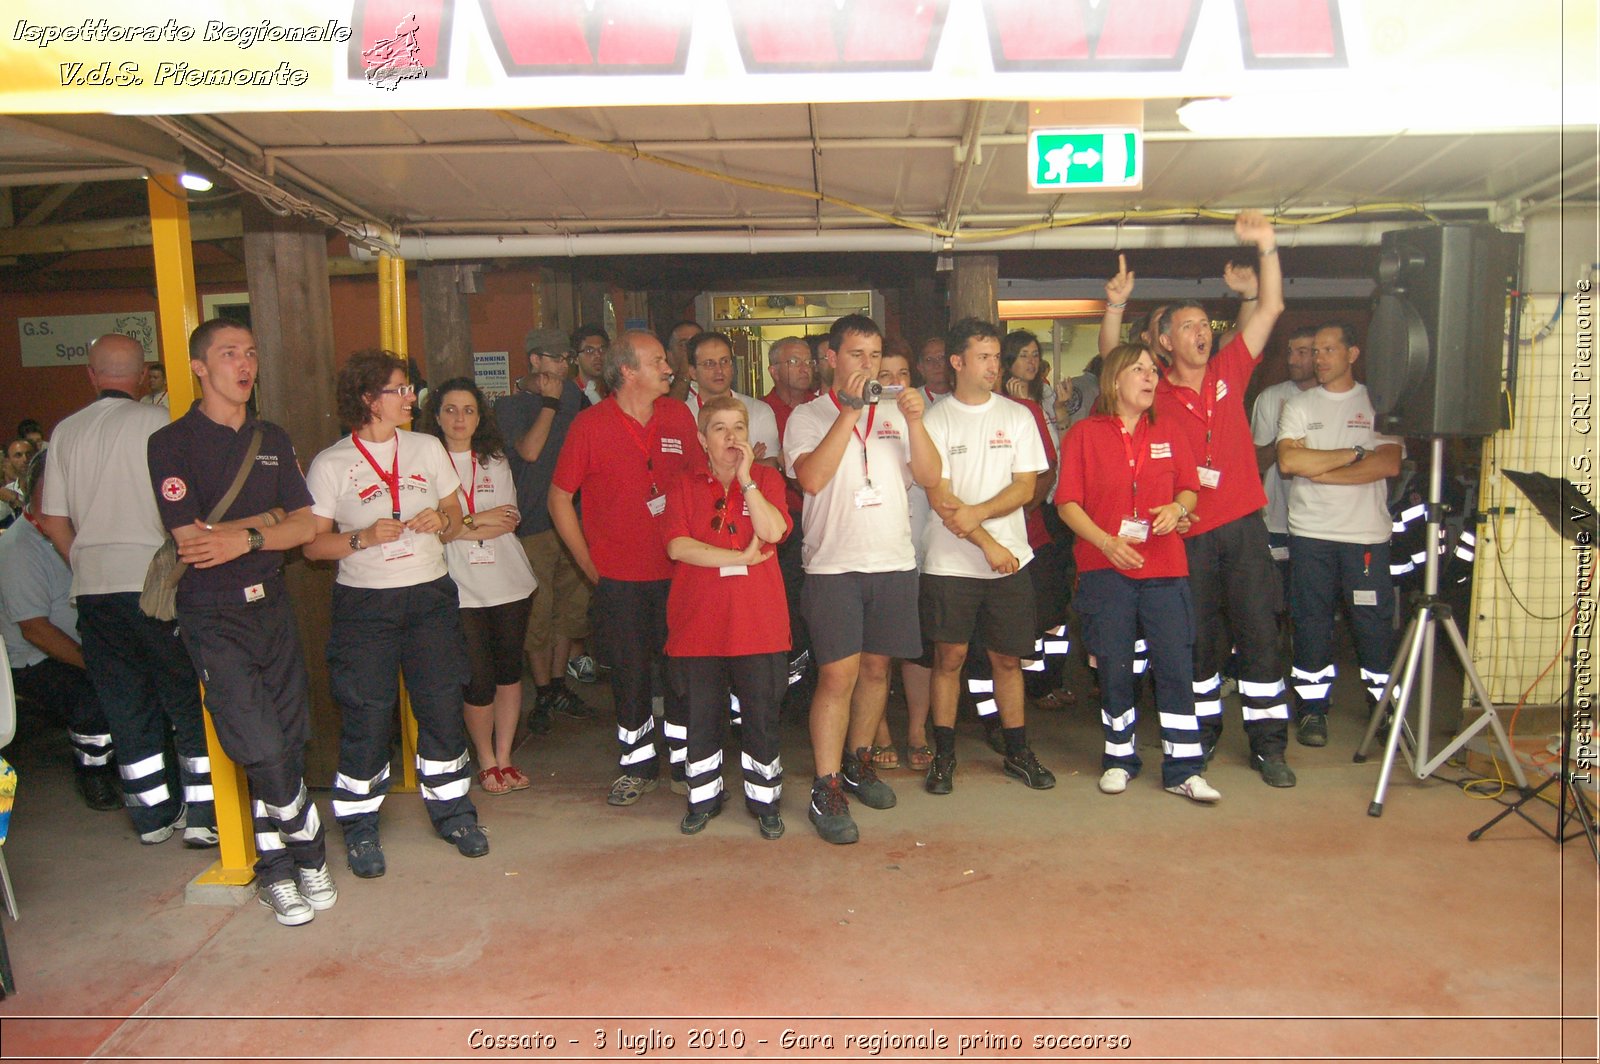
1137	448
1208	397
641	438
471	488
872	412
35	523
392	478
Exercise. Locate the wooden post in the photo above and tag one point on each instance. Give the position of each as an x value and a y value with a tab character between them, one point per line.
446	322
974	288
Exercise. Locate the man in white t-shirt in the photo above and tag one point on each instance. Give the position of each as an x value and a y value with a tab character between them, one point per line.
1336	463
100	513
1264	430
854	461
711	367
990	455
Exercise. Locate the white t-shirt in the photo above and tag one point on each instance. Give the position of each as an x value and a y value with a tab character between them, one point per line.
763	422
98	477
840	535
494	571
347	489
1264	431
980	447
1343	513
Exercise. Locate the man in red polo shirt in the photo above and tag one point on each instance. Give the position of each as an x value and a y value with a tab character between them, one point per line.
1230	568
623	453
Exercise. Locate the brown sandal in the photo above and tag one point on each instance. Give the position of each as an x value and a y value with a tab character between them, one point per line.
492	781
920	756
885	757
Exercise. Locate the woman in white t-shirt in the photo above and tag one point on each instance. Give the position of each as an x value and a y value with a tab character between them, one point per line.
385	503
493	575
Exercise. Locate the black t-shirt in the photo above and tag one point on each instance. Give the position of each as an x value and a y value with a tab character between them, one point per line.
515	414
192	463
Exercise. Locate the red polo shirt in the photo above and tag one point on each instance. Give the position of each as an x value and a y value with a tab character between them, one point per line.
781	410
710	615
1095	474
620	465
1038	534
1231	450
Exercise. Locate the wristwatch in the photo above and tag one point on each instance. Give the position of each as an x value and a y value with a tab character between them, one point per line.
255	538
469	521
355	540
1361	452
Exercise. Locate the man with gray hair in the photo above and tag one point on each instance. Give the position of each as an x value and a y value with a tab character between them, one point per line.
623	454
98	510
534	420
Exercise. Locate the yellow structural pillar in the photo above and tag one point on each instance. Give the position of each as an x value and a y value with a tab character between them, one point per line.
392	337
178	310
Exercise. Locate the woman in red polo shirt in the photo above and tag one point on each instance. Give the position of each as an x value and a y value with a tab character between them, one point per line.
1126	484
727	618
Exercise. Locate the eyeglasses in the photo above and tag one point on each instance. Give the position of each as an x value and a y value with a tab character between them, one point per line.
714	363
791	363
716	520
402	390
591	350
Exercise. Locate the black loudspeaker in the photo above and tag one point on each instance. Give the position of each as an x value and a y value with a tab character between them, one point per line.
1437	343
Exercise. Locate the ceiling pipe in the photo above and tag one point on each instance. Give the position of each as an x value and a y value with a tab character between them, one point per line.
60	177
758	242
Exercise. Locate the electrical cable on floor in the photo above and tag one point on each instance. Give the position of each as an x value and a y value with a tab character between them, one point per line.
1478	788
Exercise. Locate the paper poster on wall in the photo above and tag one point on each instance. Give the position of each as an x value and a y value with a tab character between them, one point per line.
64	339
492	372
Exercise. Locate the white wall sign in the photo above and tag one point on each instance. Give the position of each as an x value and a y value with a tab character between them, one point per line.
492	372
64	339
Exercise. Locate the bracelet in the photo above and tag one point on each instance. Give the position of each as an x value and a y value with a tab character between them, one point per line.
550	403
355	542
747	487
1116	306
448	523
1183	511
1105	543
1264	252
1248	299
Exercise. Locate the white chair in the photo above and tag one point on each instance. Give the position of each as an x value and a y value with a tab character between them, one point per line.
8	729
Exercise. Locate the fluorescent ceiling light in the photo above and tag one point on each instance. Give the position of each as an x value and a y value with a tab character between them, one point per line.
195	182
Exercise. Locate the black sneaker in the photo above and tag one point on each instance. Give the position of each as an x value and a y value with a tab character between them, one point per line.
861	780
1312	730
564	702
830	812
941	775
1025	767
771	825
469	841
695	820
98	791
366	858
1275	771
539	718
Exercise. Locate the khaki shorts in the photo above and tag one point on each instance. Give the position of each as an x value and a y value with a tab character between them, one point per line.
561	604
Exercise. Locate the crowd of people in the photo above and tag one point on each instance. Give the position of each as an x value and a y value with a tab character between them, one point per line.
624	507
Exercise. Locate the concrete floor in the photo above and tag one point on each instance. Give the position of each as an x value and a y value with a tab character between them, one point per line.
1275	925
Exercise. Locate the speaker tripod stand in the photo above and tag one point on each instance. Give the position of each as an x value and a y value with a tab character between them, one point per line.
1416	657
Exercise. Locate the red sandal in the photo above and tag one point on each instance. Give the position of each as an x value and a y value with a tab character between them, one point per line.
514	777
492	781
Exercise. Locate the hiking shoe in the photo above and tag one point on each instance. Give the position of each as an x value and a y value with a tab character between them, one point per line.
695	820
366	858
567	704
469	841
582	669
316	887
625	790
861	779
830	812
284	899
771	825
1113	781
1312	730
1025	767
161	834
941	777
98	791
1275	771
1196	789
993	735
196	837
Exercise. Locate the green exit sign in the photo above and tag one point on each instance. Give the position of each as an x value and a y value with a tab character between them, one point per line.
1069	160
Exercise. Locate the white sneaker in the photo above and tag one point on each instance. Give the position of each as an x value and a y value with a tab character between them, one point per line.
316	887
1114	781
164	832
199	838
284	899
1197	789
